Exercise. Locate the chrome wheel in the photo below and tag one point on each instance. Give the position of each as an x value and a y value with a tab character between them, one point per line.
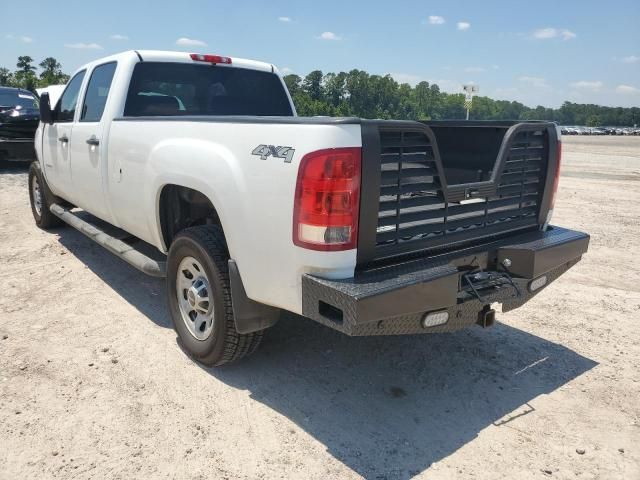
193	290
37	195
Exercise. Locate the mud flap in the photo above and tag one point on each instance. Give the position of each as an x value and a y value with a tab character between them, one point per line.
250	316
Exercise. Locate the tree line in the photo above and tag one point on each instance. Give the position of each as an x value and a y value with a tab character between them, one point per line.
25	76
357	93
360	94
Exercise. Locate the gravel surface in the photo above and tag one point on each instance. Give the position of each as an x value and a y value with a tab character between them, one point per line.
94	385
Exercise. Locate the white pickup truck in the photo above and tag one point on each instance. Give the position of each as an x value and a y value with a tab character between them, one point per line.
371	227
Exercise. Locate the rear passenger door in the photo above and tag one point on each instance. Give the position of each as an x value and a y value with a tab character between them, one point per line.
87	148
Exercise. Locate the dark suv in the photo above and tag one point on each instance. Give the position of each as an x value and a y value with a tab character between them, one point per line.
19	117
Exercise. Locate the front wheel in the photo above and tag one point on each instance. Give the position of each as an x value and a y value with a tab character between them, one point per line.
200	298
40	199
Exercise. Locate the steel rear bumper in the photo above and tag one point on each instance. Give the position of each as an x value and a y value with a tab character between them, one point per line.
394	299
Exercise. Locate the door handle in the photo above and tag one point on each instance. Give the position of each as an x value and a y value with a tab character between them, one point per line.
64	139
93	141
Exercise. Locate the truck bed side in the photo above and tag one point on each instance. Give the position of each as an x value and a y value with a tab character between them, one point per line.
252	196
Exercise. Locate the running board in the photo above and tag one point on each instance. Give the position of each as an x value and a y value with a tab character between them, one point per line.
123	250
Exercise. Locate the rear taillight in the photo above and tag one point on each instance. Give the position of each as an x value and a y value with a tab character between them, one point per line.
327	200
198	57
556	180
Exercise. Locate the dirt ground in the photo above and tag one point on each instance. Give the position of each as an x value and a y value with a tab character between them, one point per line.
94	385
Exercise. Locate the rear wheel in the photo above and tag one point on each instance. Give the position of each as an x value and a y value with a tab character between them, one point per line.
200	298
40	199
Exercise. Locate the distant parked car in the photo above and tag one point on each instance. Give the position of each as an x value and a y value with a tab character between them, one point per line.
19	117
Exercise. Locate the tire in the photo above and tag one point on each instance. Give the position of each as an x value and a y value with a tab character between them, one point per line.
41	199
197	263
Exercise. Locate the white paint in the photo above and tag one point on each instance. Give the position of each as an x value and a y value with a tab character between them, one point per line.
121	181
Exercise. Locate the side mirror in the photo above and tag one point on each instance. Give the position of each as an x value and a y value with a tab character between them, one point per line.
46	115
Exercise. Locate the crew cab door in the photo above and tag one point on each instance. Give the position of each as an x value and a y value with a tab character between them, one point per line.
57	136
87	148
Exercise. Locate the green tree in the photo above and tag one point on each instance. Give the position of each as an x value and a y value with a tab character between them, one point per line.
334	88
357	93
293	83
593	121
6	77
25	76
51	73
24	65
312	85
406	108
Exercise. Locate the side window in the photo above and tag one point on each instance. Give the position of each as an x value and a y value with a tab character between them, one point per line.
97	92
66	107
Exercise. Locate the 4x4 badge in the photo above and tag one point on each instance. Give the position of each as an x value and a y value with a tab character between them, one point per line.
264	151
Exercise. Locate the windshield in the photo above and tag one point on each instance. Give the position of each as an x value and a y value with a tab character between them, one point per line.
184	89
18	99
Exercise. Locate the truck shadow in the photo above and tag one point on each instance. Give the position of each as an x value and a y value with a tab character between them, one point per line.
385	407
145	293
389	407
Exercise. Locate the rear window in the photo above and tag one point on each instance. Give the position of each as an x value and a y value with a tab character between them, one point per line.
183	89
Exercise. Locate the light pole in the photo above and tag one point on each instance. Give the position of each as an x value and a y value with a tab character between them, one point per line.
469	92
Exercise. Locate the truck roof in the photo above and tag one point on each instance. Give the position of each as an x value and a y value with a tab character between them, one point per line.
179	57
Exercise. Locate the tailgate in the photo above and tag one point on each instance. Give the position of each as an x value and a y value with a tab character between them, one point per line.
437	186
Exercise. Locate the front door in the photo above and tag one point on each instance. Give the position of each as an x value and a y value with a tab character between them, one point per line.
57	138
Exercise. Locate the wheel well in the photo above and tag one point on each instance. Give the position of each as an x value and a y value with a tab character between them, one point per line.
182	207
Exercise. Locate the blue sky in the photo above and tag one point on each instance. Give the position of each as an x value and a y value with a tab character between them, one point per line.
538	52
